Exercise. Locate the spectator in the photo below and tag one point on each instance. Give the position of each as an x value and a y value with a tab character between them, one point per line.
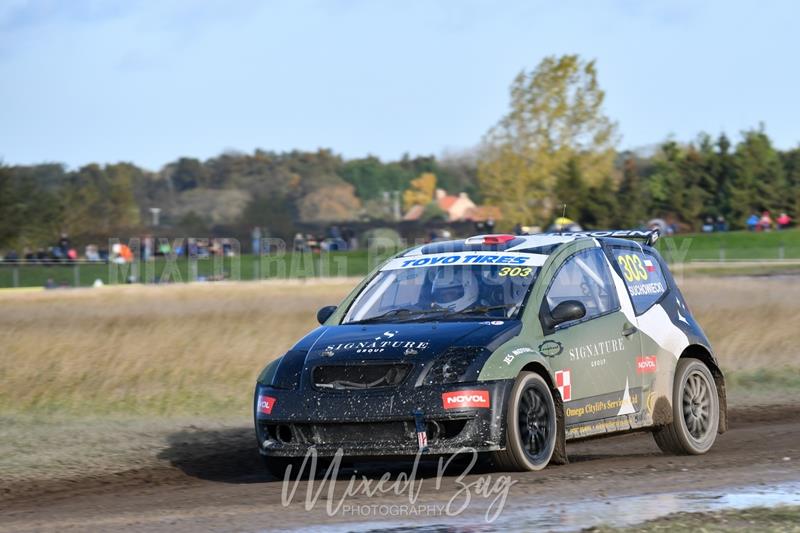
255	239
299	244
349	237
91	253
752	222
518	229
227	248
784	221
765	222
63	245
121	253
148	248
11	256
191	248
708	226
721	224
58	253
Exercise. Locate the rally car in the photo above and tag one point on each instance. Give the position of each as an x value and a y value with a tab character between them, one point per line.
508	345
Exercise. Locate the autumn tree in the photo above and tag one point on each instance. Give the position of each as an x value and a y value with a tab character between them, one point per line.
331	203
421	191
556	115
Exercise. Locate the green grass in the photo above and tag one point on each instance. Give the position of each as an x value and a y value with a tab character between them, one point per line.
780	519
733	245
732	269
730	246
245	267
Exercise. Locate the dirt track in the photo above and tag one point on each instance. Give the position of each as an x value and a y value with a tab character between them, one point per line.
230	491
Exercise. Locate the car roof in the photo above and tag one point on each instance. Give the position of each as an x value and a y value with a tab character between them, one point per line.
542	243
476	243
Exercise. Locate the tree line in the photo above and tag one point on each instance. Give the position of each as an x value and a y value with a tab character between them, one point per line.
554	147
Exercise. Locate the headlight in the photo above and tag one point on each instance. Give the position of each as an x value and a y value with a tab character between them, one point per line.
456	364
284	372
266	375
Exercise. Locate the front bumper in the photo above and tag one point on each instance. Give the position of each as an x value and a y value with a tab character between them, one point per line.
370	423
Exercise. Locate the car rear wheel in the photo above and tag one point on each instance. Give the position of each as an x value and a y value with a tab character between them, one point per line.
695	411
531	426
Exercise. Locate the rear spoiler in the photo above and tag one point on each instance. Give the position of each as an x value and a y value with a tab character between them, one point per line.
648	236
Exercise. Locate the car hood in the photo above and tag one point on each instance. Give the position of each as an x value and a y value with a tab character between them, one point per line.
418	342
421	340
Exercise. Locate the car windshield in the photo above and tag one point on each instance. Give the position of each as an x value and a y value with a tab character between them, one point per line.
422	289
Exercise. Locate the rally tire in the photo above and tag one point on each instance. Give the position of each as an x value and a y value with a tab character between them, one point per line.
531	426
695	411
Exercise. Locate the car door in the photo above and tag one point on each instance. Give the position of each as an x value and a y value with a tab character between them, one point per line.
645	285
594	357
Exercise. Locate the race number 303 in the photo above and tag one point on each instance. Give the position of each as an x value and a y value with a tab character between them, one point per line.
632	267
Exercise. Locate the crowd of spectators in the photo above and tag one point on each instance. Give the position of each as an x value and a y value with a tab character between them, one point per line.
766	223
61	252
64	252
335	239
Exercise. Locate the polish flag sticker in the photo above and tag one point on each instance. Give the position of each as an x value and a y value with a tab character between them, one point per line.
422	439
649	266
564	384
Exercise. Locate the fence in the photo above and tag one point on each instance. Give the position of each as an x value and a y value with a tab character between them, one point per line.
730	248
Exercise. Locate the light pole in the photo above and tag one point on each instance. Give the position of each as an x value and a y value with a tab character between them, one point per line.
155	211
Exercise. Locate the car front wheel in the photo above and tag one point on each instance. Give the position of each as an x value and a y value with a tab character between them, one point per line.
531	430
695	411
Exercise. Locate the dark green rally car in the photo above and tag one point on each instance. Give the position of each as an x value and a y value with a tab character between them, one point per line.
509	345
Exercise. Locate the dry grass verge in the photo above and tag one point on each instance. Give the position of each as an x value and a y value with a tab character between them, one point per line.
189	350
179	350
753	323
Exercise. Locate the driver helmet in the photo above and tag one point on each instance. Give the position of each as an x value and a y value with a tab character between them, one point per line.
454	289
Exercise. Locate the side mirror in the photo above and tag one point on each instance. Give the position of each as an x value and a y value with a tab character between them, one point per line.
567	311
325	313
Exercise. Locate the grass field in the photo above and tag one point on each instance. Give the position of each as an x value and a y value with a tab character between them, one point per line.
245	267
197	348
732	246
181	349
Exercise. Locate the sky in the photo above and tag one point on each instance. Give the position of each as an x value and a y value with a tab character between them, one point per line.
150	81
